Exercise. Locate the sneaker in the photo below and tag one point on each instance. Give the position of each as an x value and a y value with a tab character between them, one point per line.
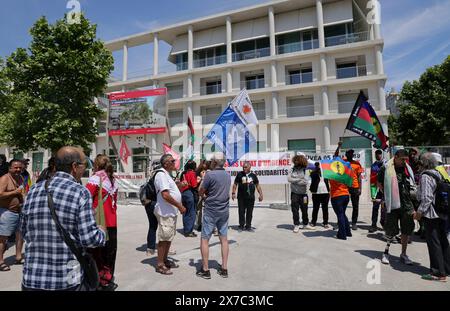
373	229
312	225
405	259
222	272
150	251
172	252
296	229
190	235
203	274
309	227
385	259
354	227
241	228
326	226
249	229
302	227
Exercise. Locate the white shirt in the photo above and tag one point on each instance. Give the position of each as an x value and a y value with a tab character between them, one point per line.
163	181
322	187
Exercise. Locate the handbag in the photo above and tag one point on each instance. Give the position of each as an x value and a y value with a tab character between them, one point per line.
91	279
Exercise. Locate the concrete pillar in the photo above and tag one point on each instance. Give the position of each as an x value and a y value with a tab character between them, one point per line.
229	80
381	95
379	60
155	54
189	85
321	29
190	47
274	137
323	67
125	62
377	31
274	105
273	74
272	31
229	39
325	103
326	137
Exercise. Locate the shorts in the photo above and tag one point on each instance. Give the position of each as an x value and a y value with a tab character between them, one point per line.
9	222
209	223
167	228
404	217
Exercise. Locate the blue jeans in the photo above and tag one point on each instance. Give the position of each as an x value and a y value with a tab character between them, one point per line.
339	206
153	225
189	217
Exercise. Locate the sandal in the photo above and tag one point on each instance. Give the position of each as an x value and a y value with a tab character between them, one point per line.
164	270
430	277
20	261
171	264
4	267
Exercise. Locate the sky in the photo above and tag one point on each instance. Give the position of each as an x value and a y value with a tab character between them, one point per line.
416	32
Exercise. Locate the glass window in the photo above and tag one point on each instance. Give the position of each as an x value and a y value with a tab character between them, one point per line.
260	109
18	155
210	114
175	117
346	70
181	61
38	162
300	107
140	164
302	145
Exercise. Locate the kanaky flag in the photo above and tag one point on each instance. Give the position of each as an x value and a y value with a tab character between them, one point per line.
338	170
124	152
176	156
364	121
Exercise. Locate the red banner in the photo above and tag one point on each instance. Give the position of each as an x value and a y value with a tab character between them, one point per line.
151	130
136	94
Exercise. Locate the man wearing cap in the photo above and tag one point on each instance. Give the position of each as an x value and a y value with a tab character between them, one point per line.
355	189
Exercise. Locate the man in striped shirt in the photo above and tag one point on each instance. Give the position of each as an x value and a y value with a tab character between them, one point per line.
49	263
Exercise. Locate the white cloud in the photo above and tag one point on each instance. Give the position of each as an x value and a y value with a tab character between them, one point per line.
418	25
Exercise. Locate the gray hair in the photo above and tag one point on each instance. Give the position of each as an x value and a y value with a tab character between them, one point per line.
164	159
219	159
65	157
247	163
428	161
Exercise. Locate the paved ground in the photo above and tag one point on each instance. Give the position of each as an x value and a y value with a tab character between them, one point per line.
271	258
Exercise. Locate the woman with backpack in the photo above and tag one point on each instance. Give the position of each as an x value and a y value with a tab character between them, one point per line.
103	189
189	197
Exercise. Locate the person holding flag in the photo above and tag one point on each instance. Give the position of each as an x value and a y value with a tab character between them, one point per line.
375	193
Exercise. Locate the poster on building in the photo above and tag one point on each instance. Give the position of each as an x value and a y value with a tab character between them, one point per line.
138	112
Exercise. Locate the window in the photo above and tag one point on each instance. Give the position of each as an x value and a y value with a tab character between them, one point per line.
175	117
210	114
297	76
18	155
342	34
214	87
210	57
140	164
347	101
38	162
260	146
302	145
175	90
260	109
251	49
297	41
254	81
300	107
347	70
181	61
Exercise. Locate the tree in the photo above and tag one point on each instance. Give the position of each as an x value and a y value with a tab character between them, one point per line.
424	109
50	103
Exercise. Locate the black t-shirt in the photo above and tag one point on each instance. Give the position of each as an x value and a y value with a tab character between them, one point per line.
246	185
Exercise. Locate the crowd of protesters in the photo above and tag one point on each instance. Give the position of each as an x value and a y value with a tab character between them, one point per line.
59	213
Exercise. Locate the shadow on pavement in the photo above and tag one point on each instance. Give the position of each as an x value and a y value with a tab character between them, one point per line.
315	234
286	227
153	261
142	248
395	263
212	264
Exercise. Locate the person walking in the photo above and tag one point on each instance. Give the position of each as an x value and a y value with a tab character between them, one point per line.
246	183
299	197
340	196
216	187
397	186
434	220
49	262
11	201
152	220
376	195
103	186
320	190
168	203
189	197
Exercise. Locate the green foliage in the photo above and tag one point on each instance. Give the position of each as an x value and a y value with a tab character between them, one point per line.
425	110
54	83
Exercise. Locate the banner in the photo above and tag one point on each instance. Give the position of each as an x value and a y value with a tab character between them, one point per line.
138	112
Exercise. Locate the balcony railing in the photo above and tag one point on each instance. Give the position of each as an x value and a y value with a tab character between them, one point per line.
263	52
175	121
346	107
298	78
253	84
352	72
260	114
347	38
210	61
300	111
174	94
297	46
182	66
211	89
209	118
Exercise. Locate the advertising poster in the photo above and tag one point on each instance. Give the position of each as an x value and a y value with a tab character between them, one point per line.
138	112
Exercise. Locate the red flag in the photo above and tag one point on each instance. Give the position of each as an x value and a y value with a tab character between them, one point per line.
176	156
124	152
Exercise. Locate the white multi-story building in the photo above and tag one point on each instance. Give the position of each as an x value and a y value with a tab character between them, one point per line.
303	62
